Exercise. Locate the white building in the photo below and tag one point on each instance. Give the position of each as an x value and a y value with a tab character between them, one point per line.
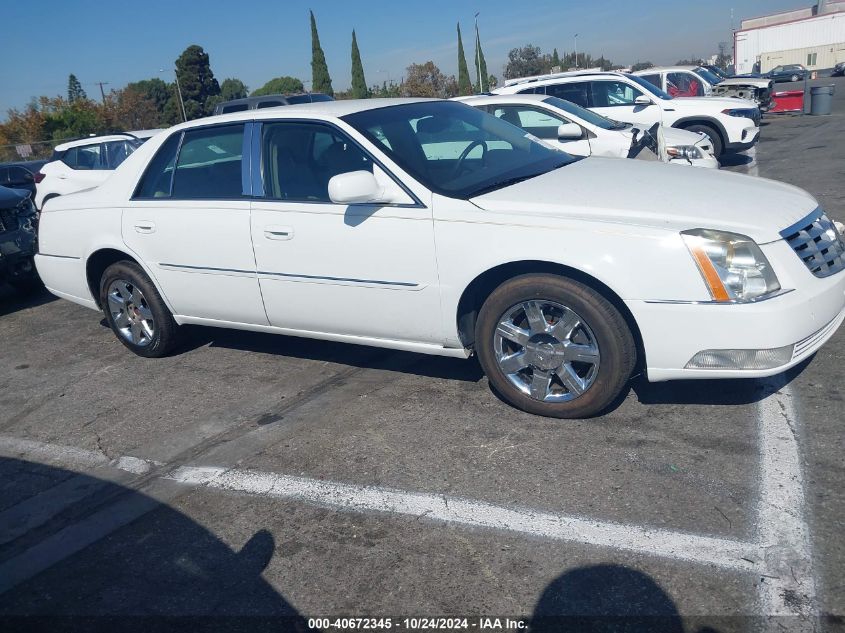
814	37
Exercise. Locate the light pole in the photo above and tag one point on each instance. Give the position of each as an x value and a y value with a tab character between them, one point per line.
478	56
179	91
576	51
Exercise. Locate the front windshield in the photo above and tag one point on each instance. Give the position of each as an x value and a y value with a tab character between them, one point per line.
455	149
650	88
709	77
585	115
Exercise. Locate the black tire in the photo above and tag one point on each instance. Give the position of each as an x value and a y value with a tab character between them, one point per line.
712	134
615	343
164	332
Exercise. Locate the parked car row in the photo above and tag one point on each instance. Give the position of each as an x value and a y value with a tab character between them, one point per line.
697	81
730	124
439	228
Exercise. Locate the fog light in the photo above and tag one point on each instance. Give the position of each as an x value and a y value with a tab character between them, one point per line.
741	358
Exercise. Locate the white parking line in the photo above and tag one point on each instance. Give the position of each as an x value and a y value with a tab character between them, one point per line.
656	542
781	527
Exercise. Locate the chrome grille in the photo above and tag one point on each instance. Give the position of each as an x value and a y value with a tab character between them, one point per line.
817	242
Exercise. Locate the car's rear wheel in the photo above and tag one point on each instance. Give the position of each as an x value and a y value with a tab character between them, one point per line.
711	134
554	347
136	312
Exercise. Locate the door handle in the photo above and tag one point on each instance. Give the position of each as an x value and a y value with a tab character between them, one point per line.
278	232
145	227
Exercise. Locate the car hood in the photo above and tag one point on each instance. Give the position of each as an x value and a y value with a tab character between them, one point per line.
709	104
746	81
654	194
10	198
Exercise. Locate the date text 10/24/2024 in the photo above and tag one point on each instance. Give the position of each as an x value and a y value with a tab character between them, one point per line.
418	624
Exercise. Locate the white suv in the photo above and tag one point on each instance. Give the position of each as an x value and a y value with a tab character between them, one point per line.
731	124
85	163
433	227
695	81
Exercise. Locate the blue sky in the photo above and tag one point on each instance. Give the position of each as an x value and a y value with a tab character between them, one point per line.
119	42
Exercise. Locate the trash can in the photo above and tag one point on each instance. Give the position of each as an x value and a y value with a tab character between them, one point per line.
821	99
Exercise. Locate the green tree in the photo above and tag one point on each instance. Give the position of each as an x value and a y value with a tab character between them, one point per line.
197	82
464	85
426	80
155	90
386	90
233	89
555	59
75	91
527	61
480	65
280	86
320	79
359	84
641	66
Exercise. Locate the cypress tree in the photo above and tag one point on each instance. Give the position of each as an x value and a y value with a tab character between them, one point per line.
359	84
75	91
555	58
480	65
464	85
320	79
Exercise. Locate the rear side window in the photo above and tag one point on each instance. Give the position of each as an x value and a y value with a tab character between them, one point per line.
576	92
85	157
158	178
237	107
209	164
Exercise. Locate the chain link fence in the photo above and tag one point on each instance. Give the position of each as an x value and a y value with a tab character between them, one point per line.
19	152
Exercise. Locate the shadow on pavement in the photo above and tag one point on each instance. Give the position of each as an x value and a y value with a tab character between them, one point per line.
717	391
604	599
332	352
12	300
735	160
160	572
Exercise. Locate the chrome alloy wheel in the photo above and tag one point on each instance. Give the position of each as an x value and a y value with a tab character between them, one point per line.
131	315
546	351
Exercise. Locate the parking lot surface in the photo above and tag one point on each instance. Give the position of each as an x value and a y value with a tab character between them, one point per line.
257	475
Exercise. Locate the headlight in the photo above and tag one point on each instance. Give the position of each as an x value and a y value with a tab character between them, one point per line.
732	265
690	152
748	113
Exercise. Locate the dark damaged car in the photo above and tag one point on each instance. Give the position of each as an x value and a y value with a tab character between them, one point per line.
18	239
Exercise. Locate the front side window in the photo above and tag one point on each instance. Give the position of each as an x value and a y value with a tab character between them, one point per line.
299	159
577	92
236	107
268	104
209	164
683	84
610	94
118	151
540	123
454	149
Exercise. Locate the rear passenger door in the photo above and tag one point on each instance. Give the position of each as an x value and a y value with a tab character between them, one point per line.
189	222
82	167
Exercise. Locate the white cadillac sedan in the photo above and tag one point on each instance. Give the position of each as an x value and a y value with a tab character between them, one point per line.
434	227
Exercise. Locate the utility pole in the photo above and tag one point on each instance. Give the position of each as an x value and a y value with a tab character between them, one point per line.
478	56
576	51
179	92
102	92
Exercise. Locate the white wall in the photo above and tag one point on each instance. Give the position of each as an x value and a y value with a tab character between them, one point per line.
815	33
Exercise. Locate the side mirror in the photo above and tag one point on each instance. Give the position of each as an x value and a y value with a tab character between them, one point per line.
569	132
642	100
354	187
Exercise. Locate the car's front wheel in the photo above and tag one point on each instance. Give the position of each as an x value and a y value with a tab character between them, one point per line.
136	312
794	78
553	346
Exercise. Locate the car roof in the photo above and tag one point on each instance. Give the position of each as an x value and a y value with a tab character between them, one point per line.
89	140
563	75
500	98
317	109
661	69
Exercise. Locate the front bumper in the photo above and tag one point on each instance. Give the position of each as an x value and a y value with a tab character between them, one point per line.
673	333
750	136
